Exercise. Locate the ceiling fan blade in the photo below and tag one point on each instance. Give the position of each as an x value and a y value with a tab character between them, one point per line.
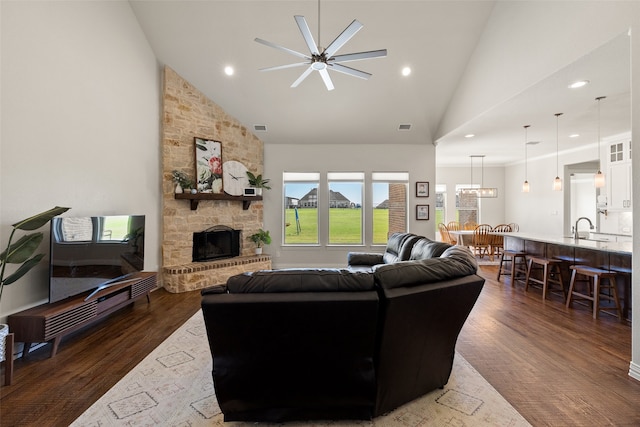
344	37
350	71
277	46
302	77
358	56
282	67
306	34
326	79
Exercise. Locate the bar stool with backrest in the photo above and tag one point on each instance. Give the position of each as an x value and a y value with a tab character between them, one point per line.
551	275
512	262
497	239
594	287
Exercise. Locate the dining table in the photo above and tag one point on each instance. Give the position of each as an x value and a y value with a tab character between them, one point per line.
463	237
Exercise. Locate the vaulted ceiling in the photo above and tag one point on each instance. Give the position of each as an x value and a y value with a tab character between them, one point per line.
434	38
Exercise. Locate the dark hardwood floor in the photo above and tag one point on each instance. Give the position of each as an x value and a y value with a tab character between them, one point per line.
557	367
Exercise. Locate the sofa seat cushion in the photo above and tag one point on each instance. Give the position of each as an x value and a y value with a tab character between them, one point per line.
301	280
425	249
455	262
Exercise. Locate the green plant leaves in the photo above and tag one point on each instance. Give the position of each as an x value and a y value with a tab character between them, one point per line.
40	219
21	250
24	269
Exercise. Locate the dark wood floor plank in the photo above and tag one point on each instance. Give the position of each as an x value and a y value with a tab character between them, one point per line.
555	366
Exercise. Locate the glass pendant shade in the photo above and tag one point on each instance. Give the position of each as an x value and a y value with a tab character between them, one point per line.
557	184
599	179
525	187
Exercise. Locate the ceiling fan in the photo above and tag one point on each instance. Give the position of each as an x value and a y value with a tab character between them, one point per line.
322	60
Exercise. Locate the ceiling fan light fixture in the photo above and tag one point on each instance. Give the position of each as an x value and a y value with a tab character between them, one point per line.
323	60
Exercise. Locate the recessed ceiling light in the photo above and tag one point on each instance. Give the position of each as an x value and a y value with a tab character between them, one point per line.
578	84
228	70
469	135
574	135
406	71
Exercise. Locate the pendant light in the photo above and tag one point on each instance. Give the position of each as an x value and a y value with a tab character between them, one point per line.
525	184
599	177
557	182
482	191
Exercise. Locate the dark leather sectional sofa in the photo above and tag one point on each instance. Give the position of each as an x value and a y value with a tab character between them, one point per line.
347	343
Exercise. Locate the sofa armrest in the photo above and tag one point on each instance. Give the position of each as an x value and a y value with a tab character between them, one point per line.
215	289
364	258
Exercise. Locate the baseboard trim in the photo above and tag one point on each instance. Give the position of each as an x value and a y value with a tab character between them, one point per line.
634	371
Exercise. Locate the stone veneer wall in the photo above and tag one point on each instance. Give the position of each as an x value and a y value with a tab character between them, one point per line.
187	113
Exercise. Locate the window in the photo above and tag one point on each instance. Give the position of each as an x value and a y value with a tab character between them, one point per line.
389	204
345	207
301	207
466	204
441	203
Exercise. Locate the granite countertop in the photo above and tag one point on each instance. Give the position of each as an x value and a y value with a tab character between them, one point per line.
625	248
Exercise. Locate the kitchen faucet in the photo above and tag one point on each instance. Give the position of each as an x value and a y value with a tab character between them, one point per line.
575	229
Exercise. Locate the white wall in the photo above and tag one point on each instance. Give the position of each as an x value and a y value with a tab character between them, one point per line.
418	160
80	122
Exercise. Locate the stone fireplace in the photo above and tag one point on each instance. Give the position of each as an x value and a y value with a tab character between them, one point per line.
186	114
217	242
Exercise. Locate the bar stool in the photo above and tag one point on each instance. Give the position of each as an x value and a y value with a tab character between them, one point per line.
550	275
517	261
593	293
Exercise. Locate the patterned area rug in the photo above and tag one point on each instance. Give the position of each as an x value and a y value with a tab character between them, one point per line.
172	386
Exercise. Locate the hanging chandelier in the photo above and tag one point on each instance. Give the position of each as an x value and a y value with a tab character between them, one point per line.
482	191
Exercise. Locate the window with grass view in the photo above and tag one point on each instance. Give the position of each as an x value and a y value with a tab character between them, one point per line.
345	207
301	208
466	204
441	198
390	201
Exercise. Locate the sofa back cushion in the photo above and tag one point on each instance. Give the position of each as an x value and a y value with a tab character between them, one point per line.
425	249
399	247
455	261
301	280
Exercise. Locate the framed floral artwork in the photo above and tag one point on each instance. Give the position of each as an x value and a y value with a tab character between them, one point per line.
422	212
422	189
208	165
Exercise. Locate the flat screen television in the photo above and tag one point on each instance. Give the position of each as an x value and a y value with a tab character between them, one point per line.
88	254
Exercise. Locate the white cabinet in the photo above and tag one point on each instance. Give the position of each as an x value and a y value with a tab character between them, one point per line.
619	180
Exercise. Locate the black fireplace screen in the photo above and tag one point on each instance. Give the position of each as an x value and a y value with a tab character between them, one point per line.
216	243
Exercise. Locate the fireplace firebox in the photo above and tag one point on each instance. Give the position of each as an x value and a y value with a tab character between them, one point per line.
217	242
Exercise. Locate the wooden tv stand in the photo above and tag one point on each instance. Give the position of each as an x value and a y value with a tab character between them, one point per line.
51	322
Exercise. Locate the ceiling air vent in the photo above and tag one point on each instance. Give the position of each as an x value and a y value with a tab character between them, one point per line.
404	127
260	128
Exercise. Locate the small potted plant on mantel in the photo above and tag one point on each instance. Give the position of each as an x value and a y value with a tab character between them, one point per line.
20	252
258	182
260	238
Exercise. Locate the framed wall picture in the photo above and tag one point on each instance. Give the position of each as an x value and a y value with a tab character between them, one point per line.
208	165
422	212
422	189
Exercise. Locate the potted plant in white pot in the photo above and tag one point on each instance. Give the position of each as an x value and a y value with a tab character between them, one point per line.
260	238
21	252
258	182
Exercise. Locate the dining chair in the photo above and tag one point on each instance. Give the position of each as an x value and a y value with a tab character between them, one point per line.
514	226
481	243
453	225
497	240
470	225
444	234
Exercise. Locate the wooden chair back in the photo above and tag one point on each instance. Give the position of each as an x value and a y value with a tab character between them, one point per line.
514	226
444	234
482	240
470	225
497	241
453	225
